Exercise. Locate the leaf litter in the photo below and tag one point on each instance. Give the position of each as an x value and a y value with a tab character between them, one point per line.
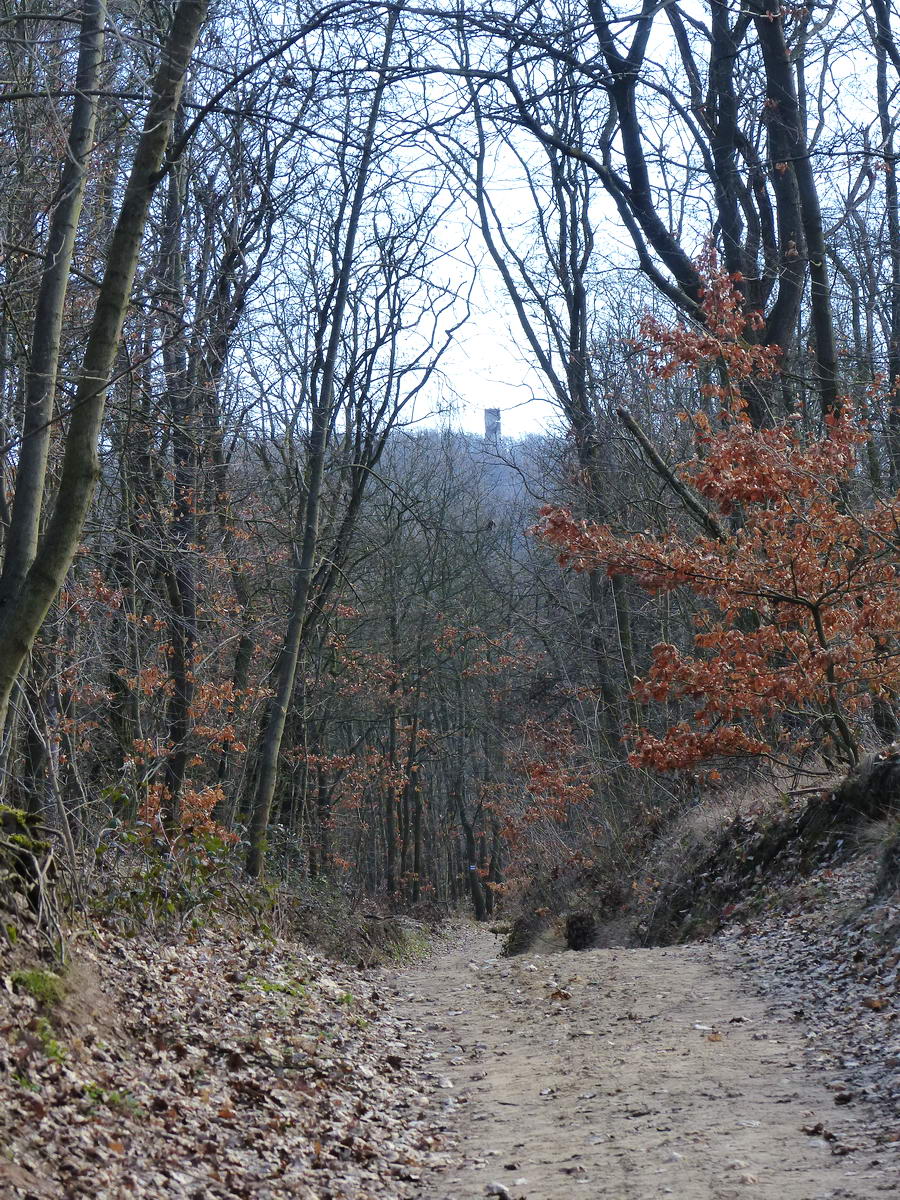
220	1067
226	1067
827	957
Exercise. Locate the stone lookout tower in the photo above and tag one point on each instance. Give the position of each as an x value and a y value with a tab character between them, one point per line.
492	426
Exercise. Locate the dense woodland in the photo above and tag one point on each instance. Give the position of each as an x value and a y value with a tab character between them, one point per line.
260	603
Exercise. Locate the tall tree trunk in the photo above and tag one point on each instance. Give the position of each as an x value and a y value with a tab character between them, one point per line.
415	892
476	891
790	162
286	667
892	206
23	614
43	360
182	585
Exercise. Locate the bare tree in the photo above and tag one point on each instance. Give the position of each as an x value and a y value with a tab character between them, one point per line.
42	564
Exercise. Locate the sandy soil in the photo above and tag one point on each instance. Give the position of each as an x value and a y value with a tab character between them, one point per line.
630	1074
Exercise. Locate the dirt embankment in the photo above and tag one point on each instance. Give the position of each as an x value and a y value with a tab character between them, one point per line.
631	1074
217	1067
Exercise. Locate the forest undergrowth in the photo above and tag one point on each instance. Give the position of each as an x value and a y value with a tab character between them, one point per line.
241	1049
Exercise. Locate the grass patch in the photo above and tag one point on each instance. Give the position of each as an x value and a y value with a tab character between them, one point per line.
46	987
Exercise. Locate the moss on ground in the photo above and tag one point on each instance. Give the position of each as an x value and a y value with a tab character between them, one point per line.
52	1047
46	987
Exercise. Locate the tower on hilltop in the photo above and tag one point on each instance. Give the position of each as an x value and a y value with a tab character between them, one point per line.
492	426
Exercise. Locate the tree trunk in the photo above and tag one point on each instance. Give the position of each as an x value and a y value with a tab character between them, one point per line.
416	886
22	616
43	361
286	669
182	586
790	161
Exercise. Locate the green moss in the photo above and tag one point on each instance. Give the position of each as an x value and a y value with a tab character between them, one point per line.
44	986
111	1098
33	845
52	1048
18	826
290	987
14	814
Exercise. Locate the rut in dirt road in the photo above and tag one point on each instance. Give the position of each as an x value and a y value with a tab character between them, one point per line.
630	1074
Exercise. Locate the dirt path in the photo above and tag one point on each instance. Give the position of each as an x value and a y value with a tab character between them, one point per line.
629	1074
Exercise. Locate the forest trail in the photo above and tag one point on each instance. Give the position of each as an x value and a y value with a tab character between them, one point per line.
628	1074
